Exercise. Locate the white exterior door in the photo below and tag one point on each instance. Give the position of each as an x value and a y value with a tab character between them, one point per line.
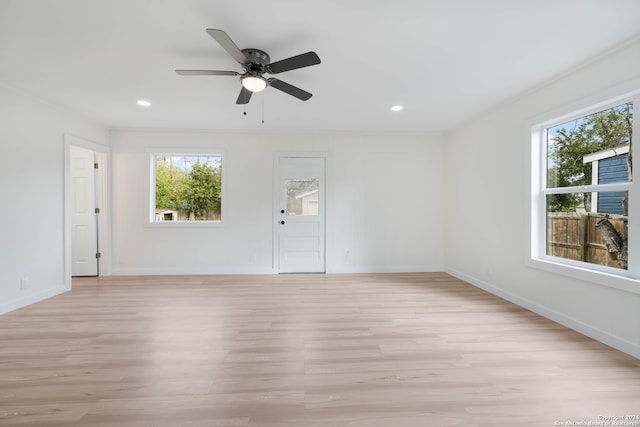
84	228
300	215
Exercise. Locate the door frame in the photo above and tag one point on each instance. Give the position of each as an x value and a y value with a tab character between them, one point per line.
102	197
275	257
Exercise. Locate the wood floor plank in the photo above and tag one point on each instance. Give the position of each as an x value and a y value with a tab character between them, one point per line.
362	350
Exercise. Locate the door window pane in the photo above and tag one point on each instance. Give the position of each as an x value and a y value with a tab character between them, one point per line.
302	196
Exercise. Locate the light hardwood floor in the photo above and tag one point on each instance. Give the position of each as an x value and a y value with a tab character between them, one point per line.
369	350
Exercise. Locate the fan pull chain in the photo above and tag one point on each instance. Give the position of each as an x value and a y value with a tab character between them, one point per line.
262	107
245	110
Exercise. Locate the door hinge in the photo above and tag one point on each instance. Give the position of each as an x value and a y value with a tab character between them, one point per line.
97	210
98	255
96	165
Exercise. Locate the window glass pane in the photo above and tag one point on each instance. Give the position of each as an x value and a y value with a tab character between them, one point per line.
591	149
187	187
588	233
302	196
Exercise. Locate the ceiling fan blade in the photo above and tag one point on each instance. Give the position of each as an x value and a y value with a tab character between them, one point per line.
290	89
206	73
225	41
245	96
299	61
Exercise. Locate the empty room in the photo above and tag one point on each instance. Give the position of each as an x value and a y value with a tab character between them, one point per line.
345	214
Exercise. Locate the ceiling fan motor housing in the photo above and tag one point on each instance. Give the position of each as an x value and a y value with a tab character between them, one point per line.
257	61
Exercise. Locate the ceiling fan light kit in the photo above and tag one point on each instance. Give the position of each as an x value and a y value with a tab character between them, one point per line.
254	83
256	63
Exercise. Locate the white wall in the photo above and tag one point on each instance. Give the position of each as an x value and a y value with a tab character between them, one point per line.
31	189
486	174
384	197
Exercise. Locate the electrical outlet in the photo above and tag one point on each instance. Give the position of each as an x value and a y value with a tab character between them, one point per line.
24	284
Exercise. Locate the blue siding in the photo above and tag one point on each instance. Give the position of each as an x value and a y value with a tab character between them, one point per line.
610	170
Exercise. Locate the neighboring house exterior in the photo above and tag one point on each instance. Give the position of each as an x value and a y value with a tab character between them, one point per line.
166	215
609	166
309	203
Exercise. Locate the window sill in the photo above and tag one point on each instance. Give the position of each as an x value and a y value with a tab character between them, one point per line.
185	224
579	272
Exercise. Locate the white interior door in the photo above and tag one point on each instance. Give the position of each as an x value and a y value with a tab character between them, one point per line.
84	227
301	237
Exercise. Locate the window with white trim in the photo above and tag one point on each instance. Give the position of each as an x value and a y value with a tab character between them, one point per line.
583	196
186	188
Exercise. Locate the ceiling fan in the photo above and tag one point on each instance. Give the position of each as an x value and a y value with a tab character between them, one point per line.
256	63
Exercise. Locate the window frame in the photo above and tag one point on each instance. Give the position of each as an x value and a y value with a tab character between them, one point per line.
151	155
537	257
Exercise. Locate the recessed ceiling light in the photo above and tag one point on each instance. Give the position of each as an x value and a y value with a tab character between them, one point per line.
396	108
144	103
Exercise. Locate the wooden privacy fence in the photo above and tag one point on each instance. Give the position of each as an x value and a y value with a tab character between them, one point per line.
575	236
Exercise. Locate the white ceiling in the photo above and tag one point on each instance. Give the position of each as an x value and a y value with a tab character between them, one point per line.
445	61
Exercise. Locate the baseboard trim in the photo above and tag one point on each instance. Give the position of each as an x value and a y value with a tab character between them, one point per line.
259	271
571	323
387	269
32	299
